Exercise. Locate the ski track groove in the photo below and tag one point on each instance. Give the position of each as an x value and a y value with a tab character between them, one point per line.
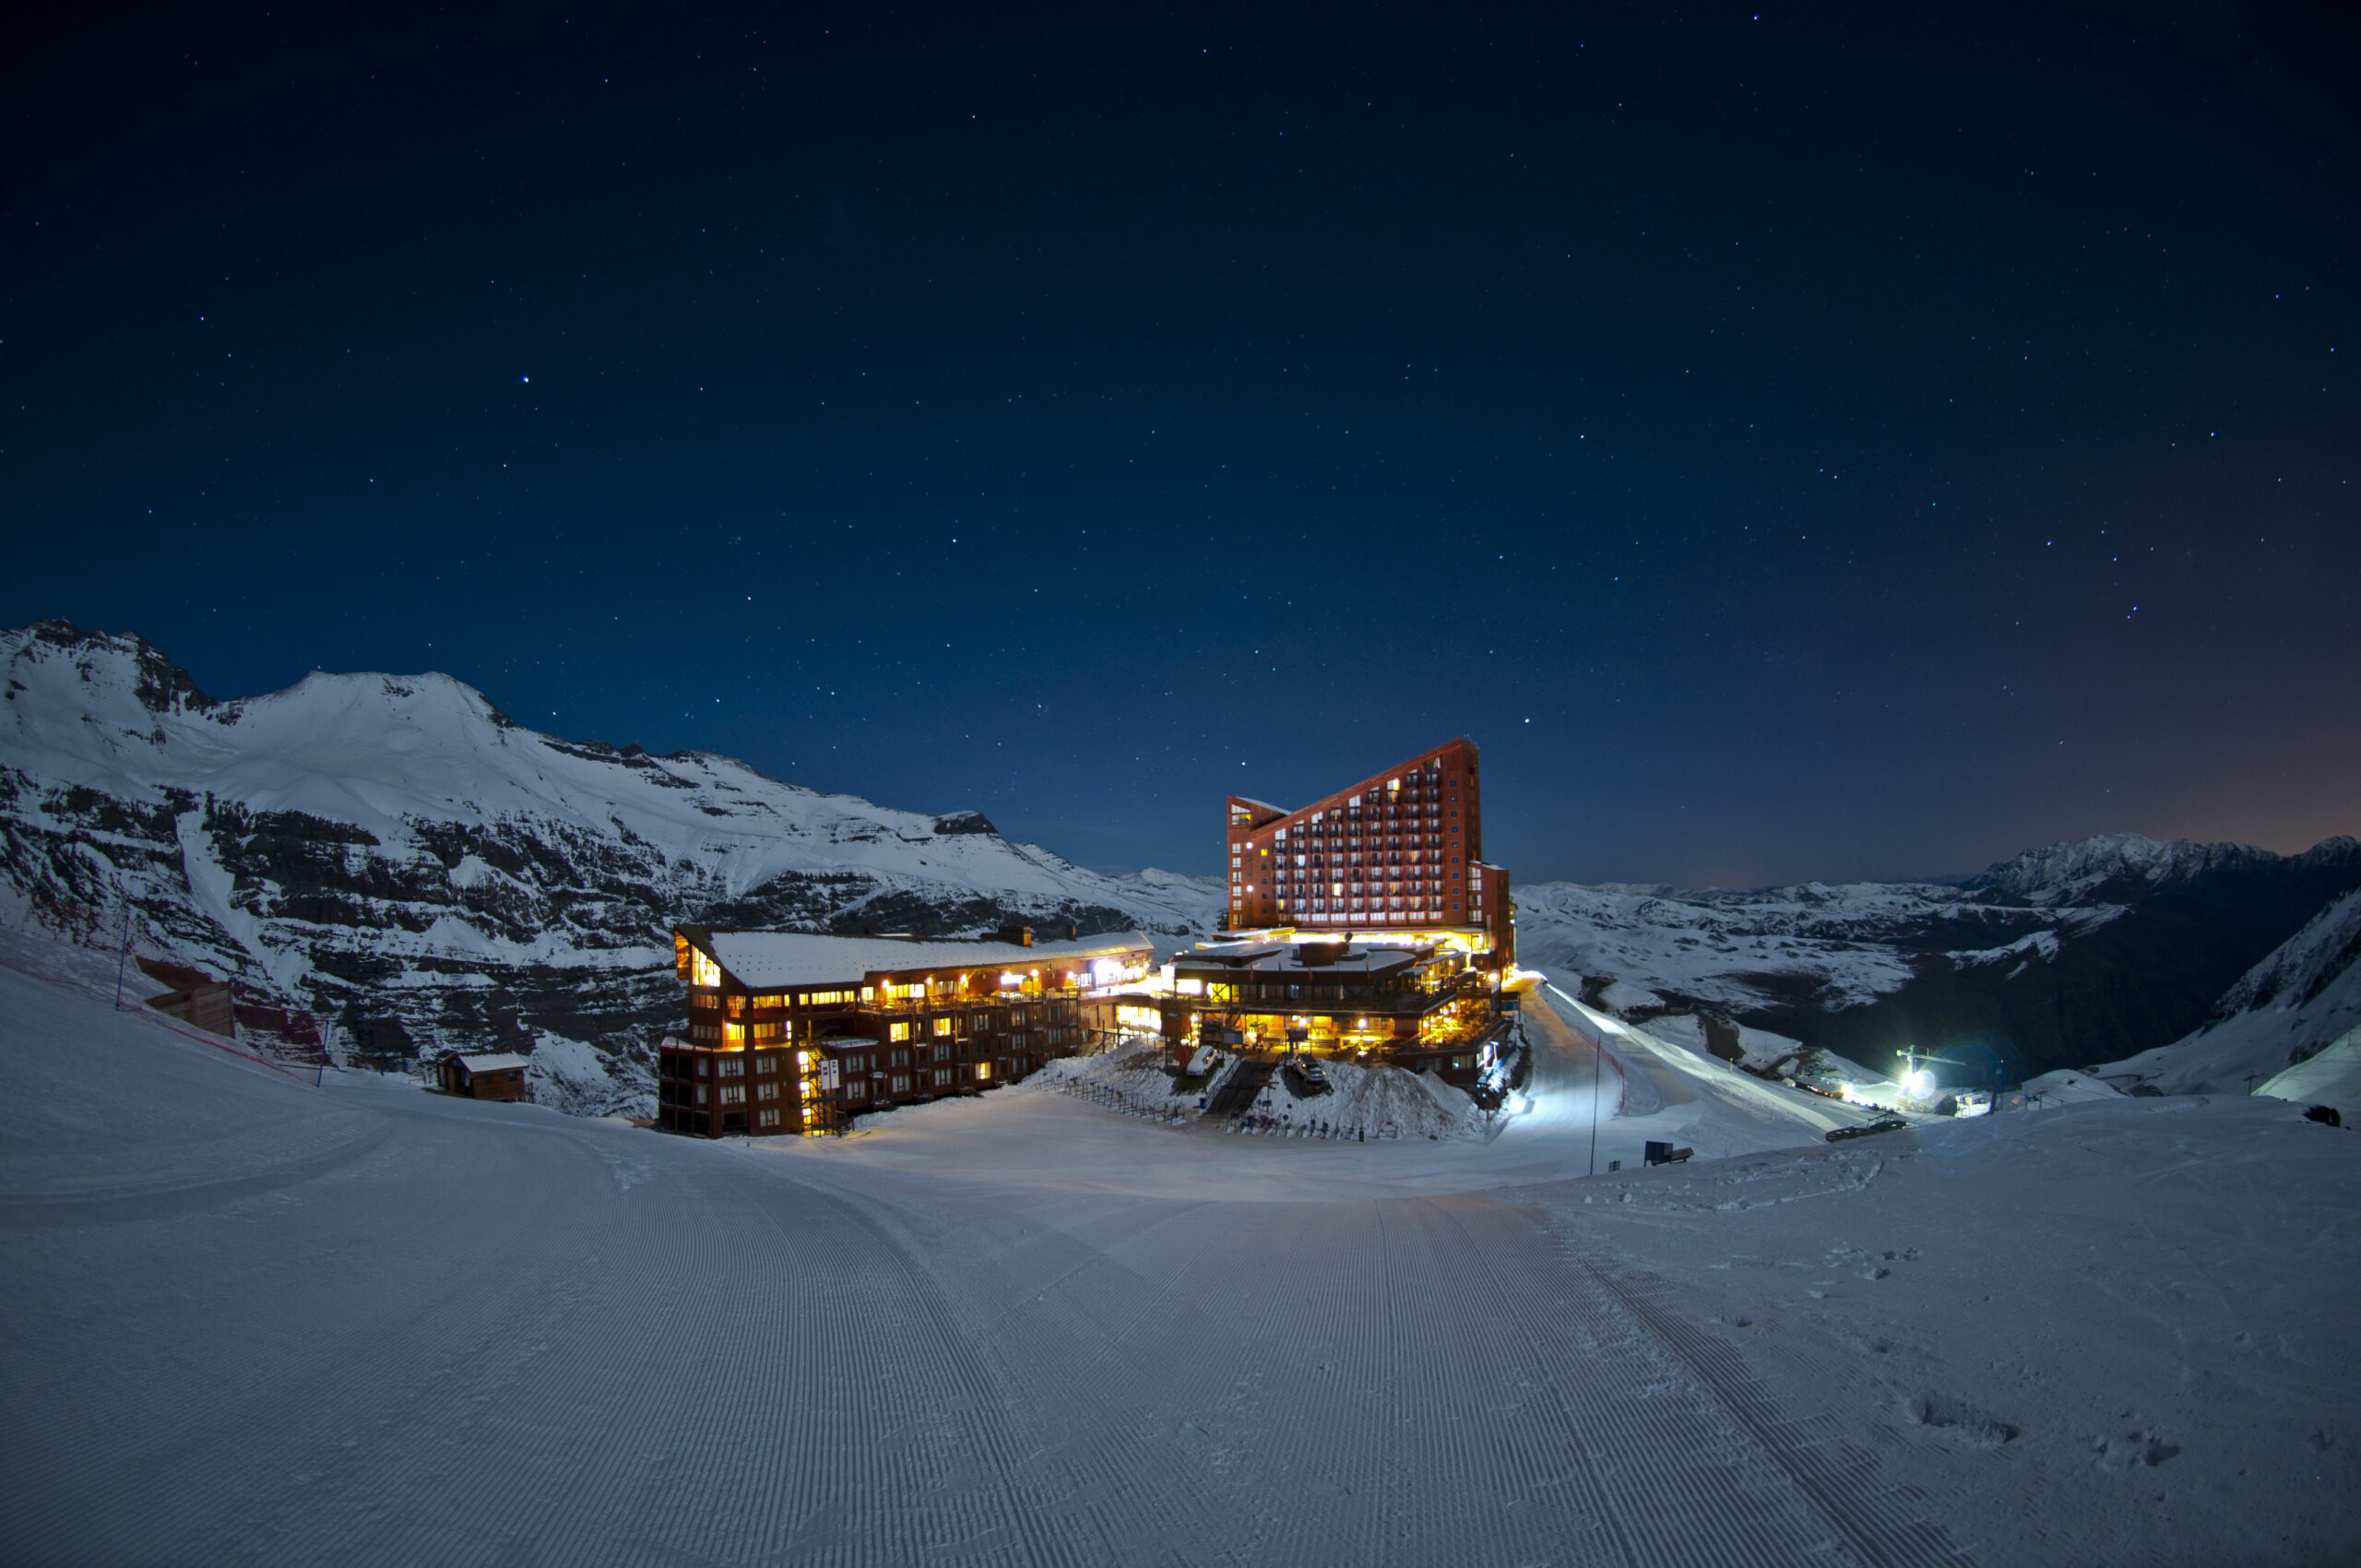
1677	1514
673	1353
1718	1368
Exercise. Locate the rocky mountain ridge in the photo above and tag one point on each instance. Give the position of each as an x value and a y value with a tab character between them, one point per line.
399	857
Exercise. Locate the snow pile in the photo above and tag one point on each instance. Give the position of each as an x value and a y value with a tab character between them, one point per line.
2331	1077
1133	1076
1361	1102
1366	1104
2068	1087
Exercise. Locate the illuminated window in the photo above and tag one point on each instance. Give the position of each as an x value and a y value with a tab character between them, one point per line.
702	969
733	1034
943	1025
983	1070
898	1031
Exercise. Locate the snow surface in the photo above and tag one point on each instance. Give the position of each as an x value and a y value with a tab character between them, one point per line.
766	960
495	1062
250	1320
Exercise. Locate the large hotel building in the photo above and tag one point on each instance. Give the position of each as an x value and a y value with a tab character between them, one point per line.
1400	850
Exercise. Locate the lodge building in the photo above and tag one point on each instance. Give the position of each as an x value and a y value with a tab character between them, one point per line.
1428	1003
790	1032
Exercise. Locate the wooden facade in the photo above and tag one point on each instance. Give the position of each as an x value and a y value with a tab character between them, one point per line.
195	997
496	1076
1401	852
790	1032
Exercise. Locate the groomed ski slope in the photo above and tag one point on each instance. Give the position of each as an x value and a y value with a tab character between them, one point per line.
251	1320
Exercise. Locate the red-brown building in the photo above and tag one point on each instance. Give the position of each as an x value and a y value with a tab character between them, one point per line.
195	997
492	1076
1399	852
794	1033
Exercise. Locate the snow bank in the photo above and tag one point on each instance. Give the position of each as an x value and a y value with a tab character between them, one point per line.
2332	1077
1361	1102
2067	1087
1366	1104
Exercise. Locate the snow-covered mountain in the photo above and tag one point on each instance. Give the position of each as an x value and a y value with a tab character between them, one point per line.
399	857
2302	998
2084	871
2058	958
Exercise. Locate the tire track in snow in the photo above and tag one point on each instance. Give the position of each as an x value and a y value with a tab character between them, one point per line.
1828	1472
1723	1501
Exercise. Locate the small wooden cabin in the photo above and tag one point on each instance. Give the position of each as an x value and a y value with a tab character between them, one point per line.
195	997
494	1077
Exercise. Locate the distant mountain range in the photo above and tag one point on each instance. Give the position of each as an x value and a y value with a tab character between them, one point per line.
397	857
2064	957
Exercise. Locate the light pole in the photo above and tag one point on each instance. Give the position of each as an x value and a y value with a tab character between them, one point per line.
123	954
1597	1050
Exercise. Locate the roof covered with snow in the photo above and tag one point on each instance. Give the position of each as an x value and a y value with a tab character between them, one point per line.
1325	958
494	1061
764	959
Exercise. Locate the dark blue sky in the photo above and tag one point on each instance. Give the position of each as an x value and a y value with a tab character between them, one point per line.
1791	444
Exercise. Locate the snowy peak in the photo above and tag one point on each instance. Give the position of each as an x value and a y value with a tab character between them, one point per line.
2072	872
129	664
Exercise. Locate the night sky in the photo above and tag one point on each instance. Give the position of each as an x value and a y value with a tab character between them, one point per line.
1791	444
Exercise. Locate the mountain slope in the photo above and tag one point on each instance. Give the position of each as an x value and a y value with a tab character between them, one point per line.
2058	958
2288	1008
399	857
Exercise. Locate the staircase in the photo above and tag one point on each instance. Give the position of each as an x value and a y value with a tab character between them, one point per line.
1247	1080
